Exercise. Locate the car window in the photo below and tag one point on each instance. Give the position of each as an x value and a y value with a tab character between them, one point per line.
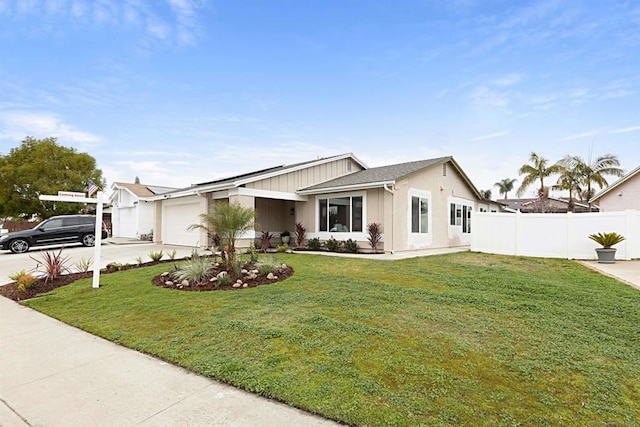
52	223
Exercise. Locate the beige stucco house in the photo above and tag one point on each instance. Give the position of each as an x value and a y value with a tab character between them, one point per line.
621	195
421	204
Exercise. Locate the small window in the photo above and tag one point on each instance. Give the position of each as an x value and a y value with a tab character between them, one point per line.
419	215
444	169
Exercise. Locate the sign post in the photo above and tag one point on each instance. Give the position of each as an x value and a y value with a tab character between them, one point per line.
99	201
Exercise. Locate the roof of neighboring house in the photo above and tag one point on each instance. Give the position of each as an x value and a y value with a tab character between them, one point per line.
516	204
619	182
143	190
245	178
384	175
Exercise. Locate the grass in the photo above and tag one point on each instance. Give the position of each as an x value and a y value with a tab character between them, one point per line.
459	339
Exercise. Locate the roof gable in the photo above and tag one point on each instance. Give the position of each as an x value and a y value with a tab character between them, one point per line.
619	182
142	190
382	175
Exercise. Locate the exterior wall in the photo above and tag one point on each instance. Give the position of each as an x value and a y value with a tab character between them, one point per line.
275	215
293	181
131	217
554	236
179	226
624	196
441	190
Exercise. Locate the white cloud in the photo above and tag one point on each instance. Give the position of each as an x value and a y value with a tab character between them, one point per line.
579	135
509	79
627	129
490	136
19	124
485	95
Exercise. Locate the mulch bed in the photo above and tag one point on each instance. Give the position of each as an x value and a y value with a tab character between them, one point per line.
41	286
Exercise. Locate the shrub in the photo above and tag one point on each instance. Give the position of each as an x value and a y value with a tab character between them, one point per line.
606	240
194	270
172	255
139	260
156	256
253	253
314	244
267	265
282	249
25	282
375	236
54	265
224	280
83	265
333	245
350	246
301	234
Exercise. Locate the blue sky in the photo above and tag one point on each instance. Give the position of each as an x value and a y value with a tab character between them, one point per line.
185	91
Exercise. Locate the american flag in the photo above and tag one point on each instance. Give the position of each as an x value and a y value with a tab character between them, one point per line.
91	188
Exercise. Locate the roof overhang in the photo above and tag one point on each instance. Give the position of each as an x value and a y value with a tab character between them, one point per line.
343	188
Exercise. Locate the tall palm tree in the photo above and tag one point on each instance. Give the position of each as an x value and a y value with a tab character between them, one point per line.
593	172
537	169
505	185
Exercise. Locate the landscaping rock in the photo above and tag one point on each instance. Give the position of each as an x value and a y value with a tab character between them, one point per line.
213	279
245	271
236	285
222	273
168	283
246	285
185	282
270	276
166	273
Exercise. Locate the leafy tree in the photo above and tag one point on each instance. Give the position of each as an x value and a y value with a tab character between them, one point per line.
41	166
505	185
229	221
593	172
137	180
537	169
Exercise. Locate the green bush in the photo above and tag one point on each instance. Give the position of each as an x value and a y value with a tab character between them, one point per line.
607	239
350	246
156	256
83	265
224	280
282	249
267	265
23	279
333	245
314	244
194	270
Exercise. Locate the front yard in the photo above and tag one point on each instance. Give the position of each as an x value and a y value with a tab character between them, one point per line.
459	339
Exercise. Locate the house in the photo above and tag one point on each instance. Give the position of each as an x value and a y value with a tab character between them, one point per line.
132	214
548	205
420	204
621	195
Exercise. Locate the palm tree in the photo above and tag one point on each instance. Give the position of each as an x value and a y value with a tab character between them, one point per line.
569	180
593	172
229	221
486	194
538	169
505	185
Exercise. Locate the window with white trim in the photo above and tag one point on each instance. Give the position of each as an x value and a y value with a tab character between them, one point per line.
419	215
460	215
340	214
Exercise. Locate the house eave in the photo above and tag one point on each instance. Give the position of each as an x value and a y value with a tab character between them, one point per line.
615	184
343	188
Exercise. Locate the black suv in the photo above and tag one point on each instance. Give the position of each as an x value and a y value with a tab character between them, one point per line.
55	230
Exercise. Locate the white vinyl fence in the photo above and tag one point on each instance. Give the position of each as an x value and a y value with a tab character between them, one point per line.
554	235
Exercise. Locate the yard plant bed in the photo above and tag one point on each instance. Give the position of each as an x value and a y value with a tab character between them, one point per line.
457	339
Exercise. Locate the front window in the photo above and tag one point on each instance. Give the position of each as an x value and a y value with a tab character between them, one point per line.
460	215
341	214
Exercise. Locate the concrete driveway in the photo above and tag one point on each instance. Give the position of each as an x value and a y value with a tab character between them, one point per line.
113	250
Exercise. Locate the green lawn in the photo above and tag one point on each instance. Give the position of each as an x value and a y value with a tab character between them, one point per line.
459	339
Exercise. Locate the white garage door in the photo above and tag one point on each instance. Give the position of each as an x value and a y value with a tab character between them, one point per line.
175	224
127	226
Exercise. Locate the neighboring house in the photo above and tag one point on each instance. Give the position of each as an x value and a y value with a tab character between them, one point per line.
132	214
621	195
421	204
548	205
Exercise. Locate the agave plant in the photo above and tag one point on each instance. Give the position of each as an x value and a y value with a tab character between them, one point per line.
606	240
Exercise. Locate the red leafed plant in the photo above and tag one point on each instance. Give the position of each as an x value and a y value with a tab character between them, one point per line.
54	264
301	234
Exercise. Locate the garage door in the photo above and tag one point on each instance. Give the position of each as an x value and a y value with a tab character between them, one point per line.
175	224
126	226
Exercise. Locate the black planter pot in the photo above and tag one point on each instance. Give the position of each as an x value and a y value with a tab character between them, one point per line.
606	255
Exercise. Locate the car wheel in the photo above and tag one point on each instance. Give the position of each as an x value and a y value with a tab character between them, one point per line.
88	240
19	246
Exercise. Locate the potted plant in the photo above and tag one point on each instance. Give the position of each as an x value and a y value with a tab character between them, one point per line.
606	254
285	236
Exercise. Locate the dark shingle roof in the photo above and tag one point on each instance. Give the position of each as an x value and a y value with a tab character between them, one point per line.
379	174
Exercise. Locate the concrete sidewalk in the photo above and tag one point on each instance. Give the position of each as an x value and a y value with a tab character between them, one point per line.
625	271
52	374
